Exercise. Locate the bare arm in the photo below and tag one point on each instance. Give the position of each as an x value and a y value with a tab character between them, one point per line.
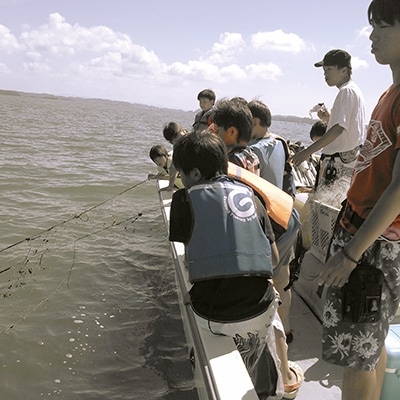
338	268
274	255
173	173
326	139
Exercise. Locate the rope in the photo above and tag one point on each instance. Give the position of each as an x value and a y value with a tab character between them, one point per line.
67	277
72	218
132	219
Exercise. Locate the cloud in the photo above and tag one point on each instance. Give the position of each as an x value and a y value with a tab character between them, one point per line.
95	58
268	71
278	41
365	32
357	62
228	48
8	42
60	39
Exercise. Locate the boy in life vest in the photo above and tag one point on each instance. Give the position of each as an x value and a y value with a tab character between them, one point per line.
367	235
204	118
231	120
234	122
273	154
272	150
230	251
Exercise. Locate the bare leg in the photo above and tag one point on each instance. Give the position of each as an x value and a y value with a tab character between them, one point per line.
366	385
280	281
288	376
380	374
358	384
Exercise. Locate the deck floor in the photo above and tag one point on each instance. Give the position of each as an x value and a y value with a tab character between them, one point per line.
321	379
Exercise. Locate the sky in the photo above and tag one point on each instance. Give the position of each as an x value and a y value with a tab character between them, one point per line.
162	53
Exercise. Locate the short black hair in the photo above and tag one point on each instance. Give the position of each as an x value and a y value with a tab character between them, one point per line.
232	113
158	151
261	111
387	11
171	131
318	129
203	150
208	93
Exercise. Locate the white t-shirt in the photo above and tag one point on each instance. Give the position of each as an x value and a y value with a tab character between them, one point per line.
348	111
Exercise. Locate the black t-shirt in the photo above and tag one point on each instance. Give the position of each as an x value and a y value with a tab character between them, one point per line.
228	299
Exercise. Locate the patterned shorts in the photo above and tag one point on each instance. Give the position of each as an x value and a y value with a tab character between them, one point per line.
359	345
255	341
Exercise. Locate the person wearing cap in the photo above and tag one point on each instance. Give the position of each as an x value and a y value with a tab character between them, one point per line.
346	129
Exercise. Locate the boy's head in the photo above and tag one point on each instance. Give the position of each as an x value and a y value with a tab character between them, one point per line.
206	99
261	117
337	67
172	132
387	11
234	122
317	130
337	57
159	155
199	156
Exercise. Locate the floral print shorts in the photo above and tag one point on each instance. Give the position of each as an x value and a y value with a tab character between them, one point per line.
359	345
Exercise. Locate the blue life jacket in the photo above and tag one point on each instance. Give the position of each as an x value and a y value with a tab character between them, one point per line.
272	157
227	239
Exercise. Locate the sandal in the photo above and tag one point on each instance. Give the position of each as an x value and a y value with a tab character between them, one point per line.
289	336
291	390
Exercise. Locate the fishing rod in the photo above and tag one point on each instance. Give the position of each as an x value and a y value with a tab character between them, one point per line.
73	217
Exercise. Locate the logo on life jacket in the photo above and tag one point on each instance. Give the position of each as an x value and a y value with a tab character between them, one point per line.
240	205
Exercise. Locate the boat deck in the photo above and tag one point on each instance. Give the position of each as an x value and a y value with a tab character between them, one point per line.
321	379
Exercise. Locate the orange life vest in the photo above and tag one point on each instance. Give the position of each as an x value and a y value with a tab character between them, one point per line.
278	203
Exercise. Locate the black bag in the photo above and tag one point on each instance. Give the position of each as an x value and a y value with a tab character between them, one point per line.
361	296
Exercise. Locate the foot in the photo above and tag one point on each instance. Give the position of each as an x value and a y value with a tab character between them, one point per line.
291	388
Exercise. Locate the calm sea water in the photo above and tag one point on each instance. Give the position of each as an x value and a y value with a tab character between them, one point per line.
88	302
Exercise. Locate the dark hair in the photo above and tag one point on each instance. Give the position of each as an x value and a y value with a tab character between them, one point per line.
387	11
158	151
318	129
261	111
171	131
203	150
232	113
240	100
208	93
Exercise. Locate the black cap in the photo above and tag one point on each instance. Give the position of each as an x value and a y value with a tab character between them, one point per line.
337	57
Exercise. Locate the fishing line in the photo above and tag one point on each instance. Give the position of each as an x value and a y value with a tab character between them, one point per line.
132	219
37	235
36	254
46	248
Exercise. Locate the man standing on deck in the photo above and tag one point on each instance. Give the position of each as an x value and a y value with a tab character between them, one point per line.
345	132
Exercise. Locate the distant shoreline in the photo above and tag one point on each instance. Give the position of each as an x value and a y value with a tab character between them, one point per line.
283	118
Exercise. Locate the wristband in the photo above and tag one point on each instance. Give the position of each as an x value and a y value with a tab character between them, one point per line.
344	252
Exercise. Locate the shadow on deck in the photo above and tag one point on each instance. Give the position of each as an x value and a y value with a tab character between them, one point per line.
321	379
